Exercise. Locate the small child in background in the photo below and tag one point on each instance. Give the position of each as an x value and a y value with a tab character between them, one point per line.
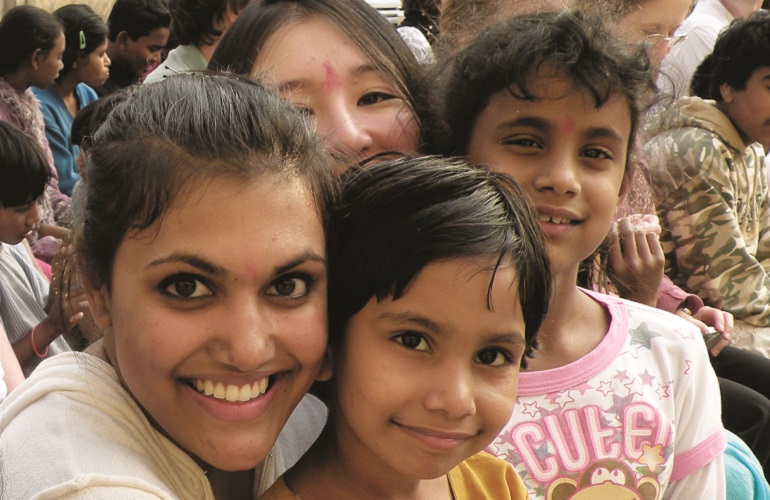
32	316
438	282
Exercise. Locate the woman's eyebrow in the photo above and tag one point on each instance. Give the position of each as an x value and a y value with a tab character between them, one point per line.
308	255
189	259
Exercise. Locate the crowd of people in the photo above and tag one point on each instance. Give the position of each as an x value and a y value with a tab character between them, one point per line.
283	249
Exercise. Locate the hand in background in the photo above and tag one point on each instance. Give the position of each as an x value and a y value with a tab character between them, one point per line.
636	258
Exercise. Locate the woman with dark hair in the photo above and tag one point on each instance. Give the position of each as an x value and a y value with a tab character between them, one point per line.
341	63
202	251
86	66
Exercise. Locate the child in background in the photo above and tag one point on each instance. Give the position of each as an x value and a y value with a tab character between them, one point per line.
32	316
139	30
33	45
621	399
438	283
86	67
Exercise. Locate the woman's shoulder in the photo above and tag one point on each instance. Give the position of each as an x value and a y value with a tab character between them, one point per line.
73	406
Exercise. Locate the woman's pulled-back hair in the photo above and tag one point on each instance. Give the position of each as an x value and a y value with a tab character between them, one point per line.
84	32
511	55
740	49
23	30
240	47
168	137
396	217
24	169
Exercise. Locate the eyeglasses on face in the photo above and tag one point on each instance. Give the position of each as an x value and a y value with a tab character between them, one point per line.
669	41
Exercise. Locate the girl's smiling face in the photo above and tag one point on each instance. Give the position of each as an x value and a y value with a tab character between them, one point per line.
568	155
429	379
354	108
216	315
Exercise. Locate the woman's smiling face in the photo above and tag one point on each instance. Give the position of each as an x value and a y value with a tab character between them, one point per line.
216	315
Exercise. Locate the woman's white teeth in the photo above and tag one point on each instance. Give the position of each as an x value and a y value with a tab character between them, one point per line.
232	393
555	220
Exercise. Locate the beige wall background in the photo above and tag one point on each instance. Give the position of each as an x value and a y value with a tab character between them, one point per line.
102	7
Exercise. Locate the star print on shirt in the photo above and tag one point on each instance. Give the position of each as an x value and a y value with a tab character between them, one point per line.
605	388
651	456
641	336
647	378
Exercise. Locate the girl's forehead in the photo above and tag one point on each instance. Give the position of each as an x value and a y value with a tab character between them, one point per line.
553	84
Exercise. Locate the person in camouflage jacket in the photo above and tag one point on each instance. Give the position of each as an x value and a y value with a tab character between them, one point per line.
707	164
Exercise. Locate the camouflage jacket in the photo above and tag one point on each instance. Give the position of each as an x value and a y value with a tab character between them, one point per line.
711	193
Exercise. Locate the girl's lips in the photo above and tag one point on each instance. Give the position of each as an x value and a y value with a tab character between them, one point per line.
436	438
551	212
556	222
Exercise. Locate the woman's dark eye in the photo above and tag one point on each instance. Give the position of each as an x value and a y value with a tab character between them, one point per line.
187	287
290	287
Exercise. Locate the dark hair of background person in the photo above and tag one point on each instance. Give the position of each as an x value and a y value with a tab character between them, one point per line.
23	30
138	18
423	15
739	50
193	21
84	32
24	169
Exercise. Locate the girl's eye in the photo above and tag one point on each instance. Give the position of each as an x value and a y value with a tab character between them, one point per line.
374	98
493	357
185	287
413	341
598	154
292	287
523	142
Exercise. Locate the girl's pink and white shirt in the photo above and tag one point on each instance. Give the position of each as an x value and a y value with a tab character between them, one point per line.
640	413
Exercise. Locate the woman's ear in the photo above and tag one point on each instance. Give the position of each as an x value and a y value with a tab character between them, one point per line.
37	56
327	370
728	94
99	302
